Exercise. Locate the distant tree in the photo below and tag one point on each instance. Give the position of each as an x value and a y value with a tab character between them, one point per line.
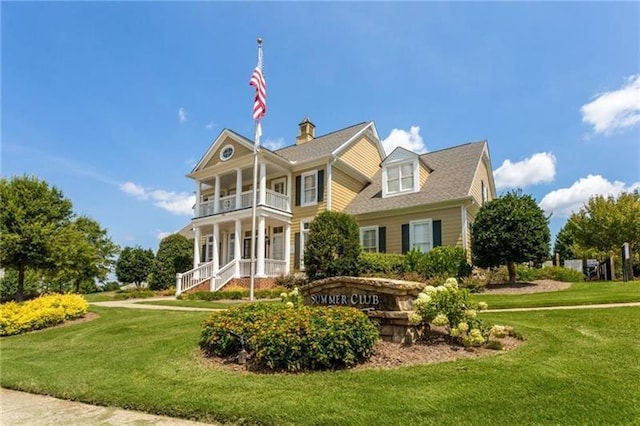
332	246
605	223
175	255
9	284
134	265
31	214
564	245
84	253
508	230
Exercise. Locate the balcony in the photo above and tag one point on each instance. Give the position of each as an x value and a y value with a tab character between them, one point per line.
230	203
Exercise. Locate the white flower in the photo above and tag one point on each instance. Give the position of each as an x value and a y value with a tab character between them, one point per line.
483	306
415	319
463	327
451	283
283	295
470	313
440	320
294	292
429	290
289	304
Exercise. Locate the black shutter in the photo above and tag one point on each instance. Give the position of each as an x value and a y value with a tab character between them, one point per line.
296	251
405	238
298	184
437	233
320	185
382	239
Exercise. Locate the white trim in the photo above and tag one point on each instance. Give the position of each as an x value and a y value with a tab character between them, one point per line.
377	237
464	222
303	189
223	149
385	178
412	226
302	239
282	180
371	125
329	174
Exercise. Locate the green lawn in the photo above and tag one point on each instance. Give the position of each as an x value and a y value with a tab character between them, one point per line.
105	296
576	367
222	304
577	294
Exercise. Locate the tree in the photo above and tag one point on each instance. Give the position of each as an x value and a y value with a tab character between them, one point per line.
84	253
508	230
605	223
564	245
31	214
175	255
332	246
134	265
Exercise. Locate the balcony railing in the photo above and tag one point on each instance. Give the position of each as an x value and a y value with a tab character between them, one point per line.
228	204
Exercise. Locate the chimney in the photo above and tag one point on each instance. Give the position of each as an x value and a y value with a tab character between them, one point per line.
307	131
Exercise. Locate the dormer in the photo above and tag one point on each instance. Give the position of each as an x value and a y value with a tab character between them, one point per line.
400	173
307	131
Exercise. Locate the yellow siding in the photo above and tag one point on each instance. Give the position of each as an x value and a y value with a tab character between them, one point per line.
451	226
423	173
240	150
364	156
482	175
343	190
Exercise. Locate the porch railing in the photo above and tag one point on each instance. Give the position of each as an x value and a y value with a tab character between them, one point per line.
194	277
225	274
227	204
277	201
274	267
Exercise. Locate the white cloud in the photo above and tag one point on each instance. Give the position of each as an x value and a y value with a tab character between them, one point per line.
562	202
614	110
410	140
210	125
274	144
179	203
162	235
182	115
539	168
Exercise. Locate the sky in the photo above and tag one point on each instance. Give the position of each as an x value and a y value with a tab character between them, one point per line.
114	102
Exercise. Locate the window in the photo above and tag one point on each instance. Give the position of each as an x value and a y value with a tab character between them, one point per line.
309	188
485	193
278	186
400	178
304	232
421	235
369	239
226	152
277	245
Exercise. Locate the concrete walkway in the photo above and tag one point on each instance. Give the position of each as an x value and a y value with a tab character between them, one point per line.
132	303
552	308
21	408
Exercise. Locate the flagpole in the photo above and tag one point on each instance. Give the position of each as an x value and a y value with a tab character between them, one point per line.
254	195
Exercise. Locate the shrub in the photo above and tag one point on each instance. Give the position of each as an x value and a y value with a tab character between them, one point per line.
290	281
449	306
287	338
381	264
473	284
444	261
44	311
232	294
559	273
332	246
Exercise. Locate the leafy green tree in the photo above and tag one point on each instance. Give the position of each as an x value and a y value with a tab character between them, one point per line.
9	284
332	247
564	245
31	215
508	230
84	253
134	265
605	223
175	255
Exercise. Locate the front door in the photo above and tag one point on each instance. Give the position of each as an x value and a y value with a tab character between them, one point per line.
277	246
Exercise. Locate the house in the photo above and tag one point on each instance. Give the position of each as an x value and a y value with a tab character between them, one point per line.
401	201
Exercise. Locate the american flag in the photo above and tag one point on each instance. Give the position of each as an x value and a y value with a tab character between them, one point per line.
257	80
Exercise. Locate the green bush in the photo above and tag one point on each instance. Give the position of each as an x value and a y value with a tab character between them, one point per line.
332	246
559	273
386	265
281	337
445	261
232	294
291	281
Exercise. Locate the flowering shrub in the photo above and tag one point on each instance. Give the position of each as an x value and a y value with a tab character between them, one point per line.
291	338
42	312
292	298
447	305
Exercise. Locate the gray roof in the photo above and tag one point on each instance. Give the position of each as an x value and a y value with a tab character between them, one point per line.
451	178
320	146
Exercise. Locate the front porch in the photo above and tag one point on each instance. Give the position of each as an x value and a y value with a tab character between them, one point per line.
222	249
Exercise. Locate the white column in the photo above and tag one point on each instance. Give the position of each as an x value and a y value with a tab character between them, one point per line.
197	212
263	184
287	248
260	259
196	246
237	245
216	255
329	169
238	188
289	190
216	195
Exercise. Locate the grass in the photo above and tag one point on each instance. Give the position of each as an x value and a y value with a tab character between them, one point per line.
577	294
576	367
221	304
104	296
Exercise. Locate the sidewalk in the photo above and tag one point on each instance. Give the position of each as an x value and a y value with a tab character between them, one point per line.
21	408
132	303
551	308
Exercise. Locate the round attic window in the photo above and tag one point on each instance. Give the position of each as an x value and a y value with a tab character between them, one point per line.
226	152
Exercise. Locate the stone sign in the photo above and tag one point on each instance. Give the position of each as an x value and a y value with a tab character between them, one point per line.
389	303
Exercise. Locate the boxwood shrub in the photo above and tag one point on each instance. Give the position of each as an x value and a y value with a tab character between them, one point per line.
282	338
381	264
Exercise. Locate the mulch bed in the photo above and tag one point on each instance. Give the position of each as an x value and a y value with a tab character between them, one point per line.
525	287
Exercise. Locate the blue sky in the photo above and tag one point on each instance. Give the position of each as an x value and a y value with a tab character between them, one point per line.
114	103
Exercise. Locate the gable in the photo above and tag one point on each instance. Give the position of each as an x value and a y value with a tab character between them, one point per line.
241	146
239	150
399	155
363	155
